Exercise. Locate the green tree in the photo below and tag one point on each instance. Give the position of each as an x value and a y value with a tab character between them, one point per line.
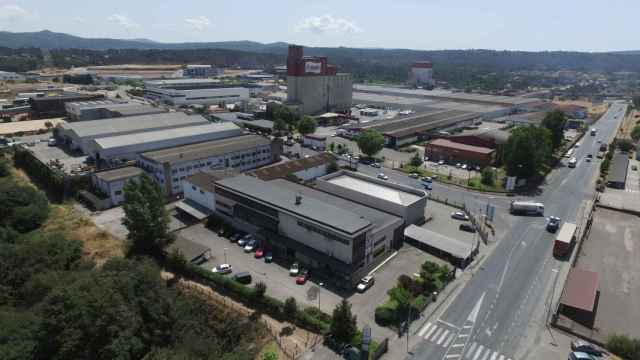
24	208
332	166
290	307
488	176
416	160
343	323
5	170
527	151
145	217
279	125
307	125
555	121
635	133
624	346
402	297
332	147
270	355
370	142
624	145
284	113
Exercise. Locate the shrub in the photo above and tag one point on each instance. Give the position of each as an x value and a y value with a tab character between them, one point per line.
385	315
290	307
420	303
488	176
624	346
260	289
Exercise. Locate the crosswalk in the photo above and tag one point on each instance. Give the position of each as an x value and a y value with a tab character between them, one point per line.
456	342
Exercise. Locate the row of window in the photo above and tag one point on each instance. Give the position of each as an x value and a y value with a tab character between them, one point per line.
322	232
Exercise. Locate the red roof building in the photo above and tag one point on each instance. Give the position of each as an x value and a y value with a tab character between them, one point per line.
451	152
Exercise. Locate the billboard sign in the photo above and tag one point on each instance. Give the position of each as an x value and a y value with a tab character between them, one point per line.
312	67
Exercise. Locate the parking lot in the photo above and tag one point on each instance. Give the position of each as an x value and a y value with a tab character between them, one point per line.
450	169
442	223
612	250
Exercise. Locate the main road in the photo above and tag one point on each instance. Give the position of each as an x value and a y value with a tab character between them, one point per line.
489	318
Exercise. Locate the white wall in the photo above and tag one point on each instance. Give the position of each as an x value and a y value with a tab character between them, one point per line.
312	173
199	195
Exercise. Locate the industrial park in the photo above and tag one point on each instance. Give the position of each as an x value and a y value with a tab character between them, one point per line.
299	209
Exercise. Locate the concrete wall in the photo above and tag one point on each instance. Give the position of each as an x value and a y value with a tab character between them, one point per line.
199	195
319	94
312	173
113	189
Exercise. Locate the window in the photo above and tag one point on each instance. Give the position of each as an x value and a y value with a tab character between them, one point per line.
119	192
322	232
379	241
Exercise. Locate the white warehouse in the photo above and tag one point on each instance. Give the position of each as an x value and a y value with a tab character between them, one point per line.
79	135
115	149
194	91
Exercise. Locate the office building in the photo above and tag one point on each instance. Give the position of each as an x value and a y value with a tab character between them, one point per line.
169	167
115	149
78	135
330	235
314	86
199	71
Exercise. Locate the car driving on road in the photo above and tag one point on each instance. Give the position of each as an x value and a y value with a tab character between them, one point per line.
459	215
365	283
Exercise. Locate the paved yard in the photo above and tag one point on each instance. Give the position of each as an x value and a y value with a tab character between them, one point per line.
612	250
442	223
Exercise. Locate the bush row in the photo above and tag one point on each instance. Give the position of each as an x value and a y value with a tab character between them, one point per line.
308	318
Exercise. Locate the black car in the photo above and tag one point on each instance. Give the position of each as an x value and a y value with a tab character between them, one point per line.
467	227
553	224
242	277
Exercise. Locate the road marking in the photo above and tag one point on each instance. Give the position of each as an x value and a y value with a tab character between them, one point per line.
449	324
444	334
435	336
470	351
501	357
476	309
457	345
424	329
430	332
494	356
448	341
468	326
486	355
450	356
478	352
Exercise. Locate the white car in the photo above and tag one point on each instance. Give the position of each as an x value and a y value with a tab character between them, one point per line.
458	165
365	283
441	162
222	269
294	270
427	179
383	176
459	215
414	175
464	167
251	245
375	165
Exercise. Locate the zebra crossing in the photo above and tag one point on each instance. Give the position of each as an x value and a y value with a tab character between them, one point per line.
456	342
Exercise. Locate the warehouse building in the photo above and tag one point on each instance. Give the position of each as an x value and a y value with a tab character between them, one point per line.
618	172
303	169
115	149
453	152
314	86
105	109
47	106
79	135
334	237
169	167
111	183
195	91
400	200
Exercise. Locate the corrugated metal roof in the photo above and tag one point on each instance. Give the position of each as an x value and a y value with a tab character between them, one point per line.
164	134
458	146
95	128
580	290
452	246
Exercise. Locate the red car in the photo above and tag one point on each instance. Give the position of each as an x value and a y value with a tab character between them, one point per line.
302	278
259	253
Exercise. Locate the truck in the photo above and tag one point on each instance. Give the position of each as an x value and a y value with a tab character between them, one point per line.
564	240
526	208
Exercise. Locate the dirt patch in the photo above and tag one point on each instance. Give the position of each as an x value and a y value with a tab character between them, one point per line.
627	125
99	245
291	341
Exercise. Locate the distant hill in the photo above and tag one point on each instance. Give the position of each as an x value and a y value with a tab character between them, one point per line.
52	40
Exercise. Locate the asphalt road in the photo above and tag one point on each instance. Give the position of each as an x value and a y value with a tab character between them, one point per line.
489	318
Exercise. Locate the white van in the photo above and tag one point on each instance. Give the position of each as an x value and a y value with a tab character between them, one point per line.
572	162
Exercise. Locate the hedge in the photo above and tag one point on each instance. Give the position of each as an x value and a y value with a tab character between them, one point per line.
308	318
385	314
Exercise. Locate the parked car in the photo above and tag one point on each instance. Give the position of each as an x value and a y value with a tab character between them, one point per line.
250	246
268	257
302	278
458	165
426	179
467	227
428	186
294	269
259	253
52	142
365	283
242	277
553	224
577	355
375	165
414	175
464	167
441	162
244	240
478	168
586	347
222	269
235	237
459	215
383	176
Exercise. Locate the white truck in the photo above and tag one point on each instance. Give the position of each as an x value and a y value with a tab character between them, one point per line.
526	208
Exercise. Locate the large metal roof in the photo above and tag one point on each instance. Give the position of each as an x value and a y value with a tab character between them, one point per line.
455	247
285	200
96	128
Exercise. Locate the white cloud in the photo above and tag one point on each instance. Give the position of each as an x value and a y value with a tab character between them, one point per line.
198	23
123	21
327	23
13	12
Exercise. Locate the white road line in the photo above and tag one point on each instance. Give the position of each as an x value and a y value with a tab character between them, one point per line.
463	335
435	336
457	345
450	356
501	357
424	329
448	341
430	332
478	352
486	355
444	334
470	351
469	326
494	356
446	323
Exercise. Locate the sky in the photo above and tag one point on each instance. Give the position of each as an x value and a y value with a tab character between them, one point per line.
580	25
